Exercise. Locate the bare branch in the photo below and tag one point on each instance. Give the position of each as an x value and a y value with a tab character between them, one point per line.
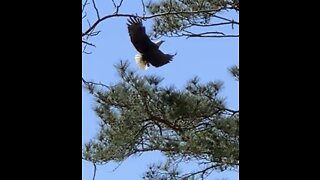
117	7
86	52
114	169
120	3
96	9
84	5
86	44
84	49
229	110
92	33
214	36
162	149
89	83
202	172
94	170
190	34
85	15
210	25
88	23
229	20
204	33
153	16
90	44
144	8
102	19
114	4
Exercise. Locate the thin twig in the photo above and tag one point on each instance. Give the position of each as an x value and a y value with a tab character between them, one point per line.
189	34
96	9
94	33
209	25
117	166
88	83
229	20
226	109
117	7
202	172
114	4
85	15
94	170
90	44
85	45
86	52
88	23
84	5
143	8
213	36
204	33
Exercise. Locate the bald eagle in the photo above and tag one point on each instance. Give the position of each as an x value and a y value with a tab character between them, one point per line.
148	51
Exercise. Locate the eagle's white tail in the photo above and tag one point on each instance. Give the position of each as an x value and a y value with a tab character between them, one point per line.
140	62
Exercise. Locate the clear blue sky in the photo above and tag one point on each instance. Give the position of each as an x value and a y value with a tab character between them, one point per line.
207	58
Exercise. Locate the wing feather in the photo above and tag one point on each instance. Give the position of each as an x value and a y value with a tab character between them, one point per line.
138	35
157	58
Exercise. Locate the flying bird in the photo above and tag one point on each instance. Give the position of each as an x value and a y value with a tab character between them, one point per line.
148	51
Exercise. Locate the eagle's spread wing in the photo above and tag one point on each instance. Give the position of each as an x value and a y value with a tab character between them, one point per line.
137	33
157	58
150	51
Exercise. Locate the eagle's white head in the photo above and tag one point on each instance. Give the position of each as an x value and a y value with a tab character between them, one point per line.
140	62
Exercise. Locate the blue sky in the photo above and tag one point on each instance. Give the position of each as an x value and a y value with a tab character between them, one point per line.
207	58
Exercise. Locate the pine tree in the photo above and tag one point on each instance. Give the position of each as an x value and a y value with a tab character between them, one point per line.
139	114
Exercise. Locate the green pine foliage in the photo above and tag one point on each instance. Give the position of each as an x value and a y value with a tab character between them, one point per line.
184	14
139	114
